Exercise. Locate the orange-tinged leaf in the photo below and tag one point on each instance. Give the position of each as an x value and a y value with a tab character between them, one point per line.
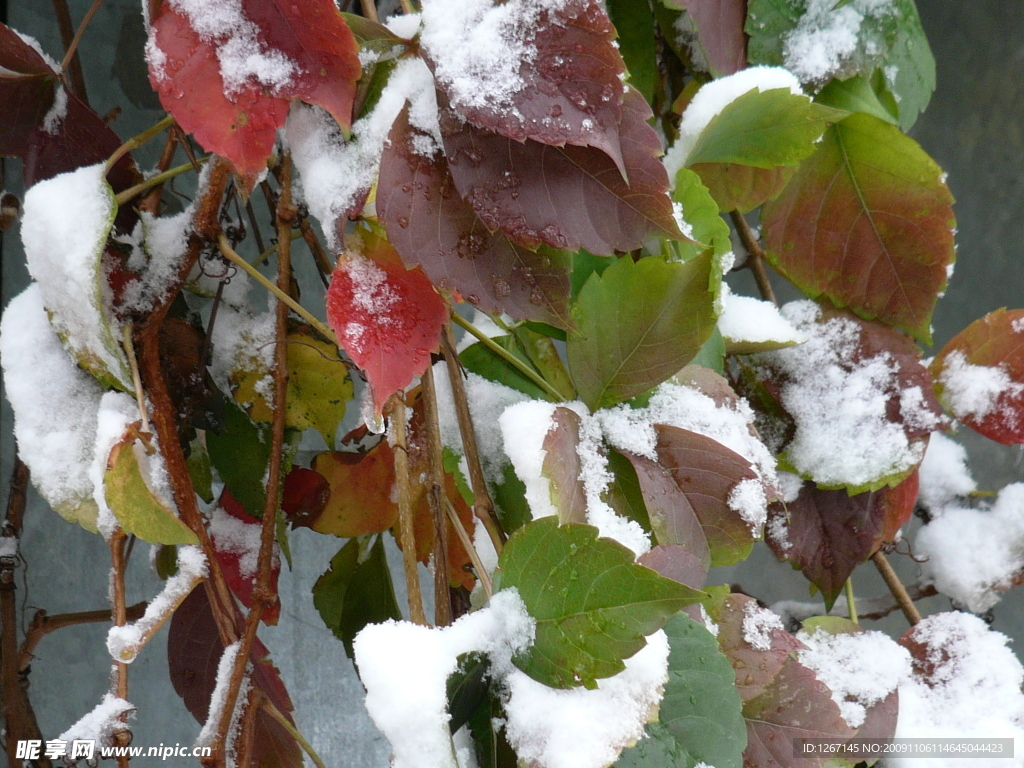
360	492
979	376
387	318
868	222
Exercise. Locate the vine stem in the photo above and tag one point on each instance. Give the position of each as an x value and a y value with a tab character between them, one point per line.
467	544
119	684
755	257
483	506
369	10
436	499
896	587
137	141
70	52
274	712
851	602
151	202
153	181
508	357
43	624
263	595
231	255
133	363
67	35
400	451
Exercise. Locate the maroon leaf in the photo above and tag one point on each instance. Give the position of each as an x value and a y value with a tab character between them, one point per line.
719	28
570	91
994	342
193	652
565	197
675	562
26	91
304	495
236	549
562	467
431	226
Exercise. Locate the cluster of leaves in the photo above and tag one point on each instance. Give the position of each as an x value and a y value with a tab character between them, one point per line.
605	277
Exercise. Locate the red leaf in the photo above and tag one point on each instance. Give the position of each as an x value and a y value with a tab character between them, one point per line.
570	91
720	34
431	226
26	91
237	548
304	495
242	126
193	652
867	221
989	401
674	562
387	318
561	465
565	197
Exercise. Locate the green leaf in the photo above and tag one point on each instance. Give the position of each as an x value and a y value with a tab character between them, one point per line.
593	605
136	507
451	462
545	358
637	324
479	359
700	211
701	716
562	467
200	470
855	95
355	592
763	129
241	454
467	689
910	58
712	354
510	500
867	221
624	494
584	264
634	23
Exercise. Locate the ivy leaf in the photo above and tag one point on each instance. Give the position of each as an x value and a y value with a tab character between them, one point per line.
387	318
193	652
564	197
742	154
544	355
431	226
700	718
634	24
27	89
826	534
139	511
233	546
239	120
319	386
995	342
638	323
480	360
624	494
593	605
866	221
304	495
564	98
241	454
356	591
718	26
855	95
562	466
700	211
360	492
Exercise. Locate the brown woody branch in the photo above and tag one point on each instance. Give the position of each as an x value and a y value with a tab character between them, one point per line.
119	684
67	36
436	499
755	256
899	592
43	624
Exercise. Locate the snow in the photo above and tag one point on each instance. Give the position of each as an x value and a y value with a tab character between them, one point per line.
474	43
64	230
748	498
243	56
972	689
758	625
709	623
100	722
825	37
405	667
335	173
55	406
859	669
789	485
580	728
125	642
164	241
116	411
843	432
974	554
746	320
243	342
54	117
944	474
714	97
237	537
405	25
524	427
974	391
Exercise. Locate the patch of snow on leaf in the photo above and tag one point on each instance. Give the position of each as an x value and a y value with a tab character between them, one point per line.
165	240
243	56
243	342
745	319
580	728
237	537
974	390
859	669
748	498
55	404
843	432
524	427
64	230
405	667
116	411
758	625
974	554
123	643
405	25
54	117
715	96
826	37
972	689
944	474
336	173
100	722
